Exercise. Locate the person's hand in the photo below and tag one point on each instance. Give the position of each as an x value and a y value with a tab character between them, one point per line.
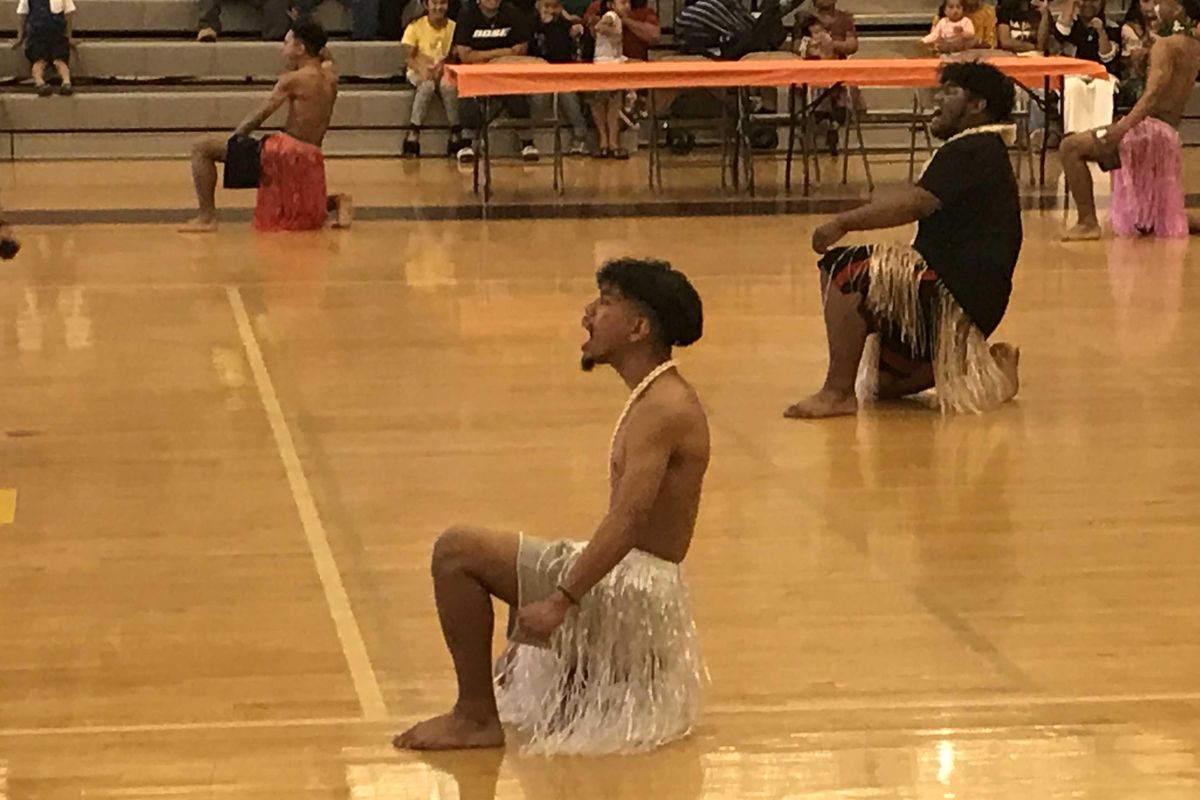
16	45
576	30
538	621
1042	6
1097	25
827	236
73	43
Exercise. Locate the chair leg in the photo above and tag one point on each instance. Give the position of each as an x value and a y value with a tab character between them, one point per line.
559	178
862	149
791	148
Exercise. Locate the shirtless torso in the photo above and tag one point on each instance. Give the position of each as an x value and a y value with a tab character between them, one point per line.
669	413
1174	65
311	93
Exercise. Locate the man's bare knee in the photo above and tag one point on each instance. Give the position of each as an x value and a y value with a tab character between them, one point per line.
488	556
1079	146
210	147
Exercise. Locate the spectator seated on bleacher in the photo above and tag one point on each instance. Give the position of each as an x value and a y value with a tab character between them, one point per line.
278	15
1085	33
951	28
487	31
559	39
427	43
44	28
640	25
1138	35
1023	26
725	29
983	20
828	33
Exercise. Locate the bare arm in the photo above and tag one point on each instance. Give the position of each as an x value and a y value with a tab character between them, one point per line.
22	22
847	46
904	207
1108	49
648	32
70	28
279	96
650	440
1066	17
1043	34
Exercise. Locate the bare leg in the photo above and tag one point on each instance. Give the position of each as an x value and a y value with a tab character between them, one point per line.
846	330
39	73
469	567
206	153
613	115
64	74
1076	152
600	116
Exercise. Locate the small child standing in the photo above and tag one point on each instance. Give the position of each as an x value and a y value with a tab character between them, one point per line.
607	106
952	24
45	29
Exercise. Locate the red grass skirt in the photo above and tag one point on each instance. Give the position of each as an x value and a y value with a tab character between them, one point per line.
291	191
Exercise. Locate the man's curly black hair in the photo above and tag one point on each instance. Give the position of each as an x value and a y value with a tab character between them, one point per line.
670	301
985	82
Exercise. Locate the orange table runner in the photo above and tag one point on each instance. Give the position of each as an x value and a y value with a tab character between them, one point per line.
476	80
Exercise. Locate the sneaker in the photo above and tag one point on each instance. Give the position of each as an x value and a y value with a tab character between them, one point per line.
66	90
412	148
206	35
530	153
453	145
45	90
466	154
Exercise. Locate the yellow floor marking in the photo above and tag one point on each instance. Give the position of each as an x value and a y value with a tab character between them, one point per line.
8	506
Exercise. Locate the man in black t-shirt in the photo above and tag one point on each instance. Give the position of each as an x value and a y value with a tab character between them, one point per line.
934	303
1023	26
559	40
1085	34
487	31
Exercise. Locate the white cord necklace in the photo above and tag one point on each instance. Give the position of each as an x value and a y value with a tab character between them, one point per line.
633	397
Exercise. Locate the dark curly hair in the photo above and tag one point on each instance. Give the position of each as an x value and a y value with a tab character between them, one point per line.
311	35
985	82
670	301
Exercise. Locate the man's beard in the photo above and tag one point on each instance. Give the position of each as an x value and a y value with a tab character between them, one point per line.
587	363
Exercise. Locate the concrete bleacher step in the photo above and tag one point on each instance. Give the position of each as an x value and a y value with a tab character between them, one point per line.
185	109
146	60
171	17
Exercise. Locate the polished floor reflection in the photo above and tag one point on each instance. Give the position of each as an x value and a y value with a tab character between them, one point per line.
226	459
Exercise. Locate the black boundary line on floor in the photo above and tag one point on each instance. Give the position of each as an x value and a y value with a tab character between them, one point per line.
505	211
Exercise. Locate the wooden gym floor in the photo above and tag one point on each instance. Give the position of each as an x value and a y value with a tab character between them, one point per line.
224	461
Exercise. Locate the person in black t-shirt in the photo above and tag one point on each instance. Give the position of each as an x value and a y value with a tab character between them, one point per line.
1085	34
486	31
559	39
933	304
1023	26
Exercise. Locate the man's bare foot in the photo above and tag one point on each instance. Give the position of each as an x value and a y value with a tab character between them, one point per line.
200	225
343	210
1083	232
823	404
1008	358
451	732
